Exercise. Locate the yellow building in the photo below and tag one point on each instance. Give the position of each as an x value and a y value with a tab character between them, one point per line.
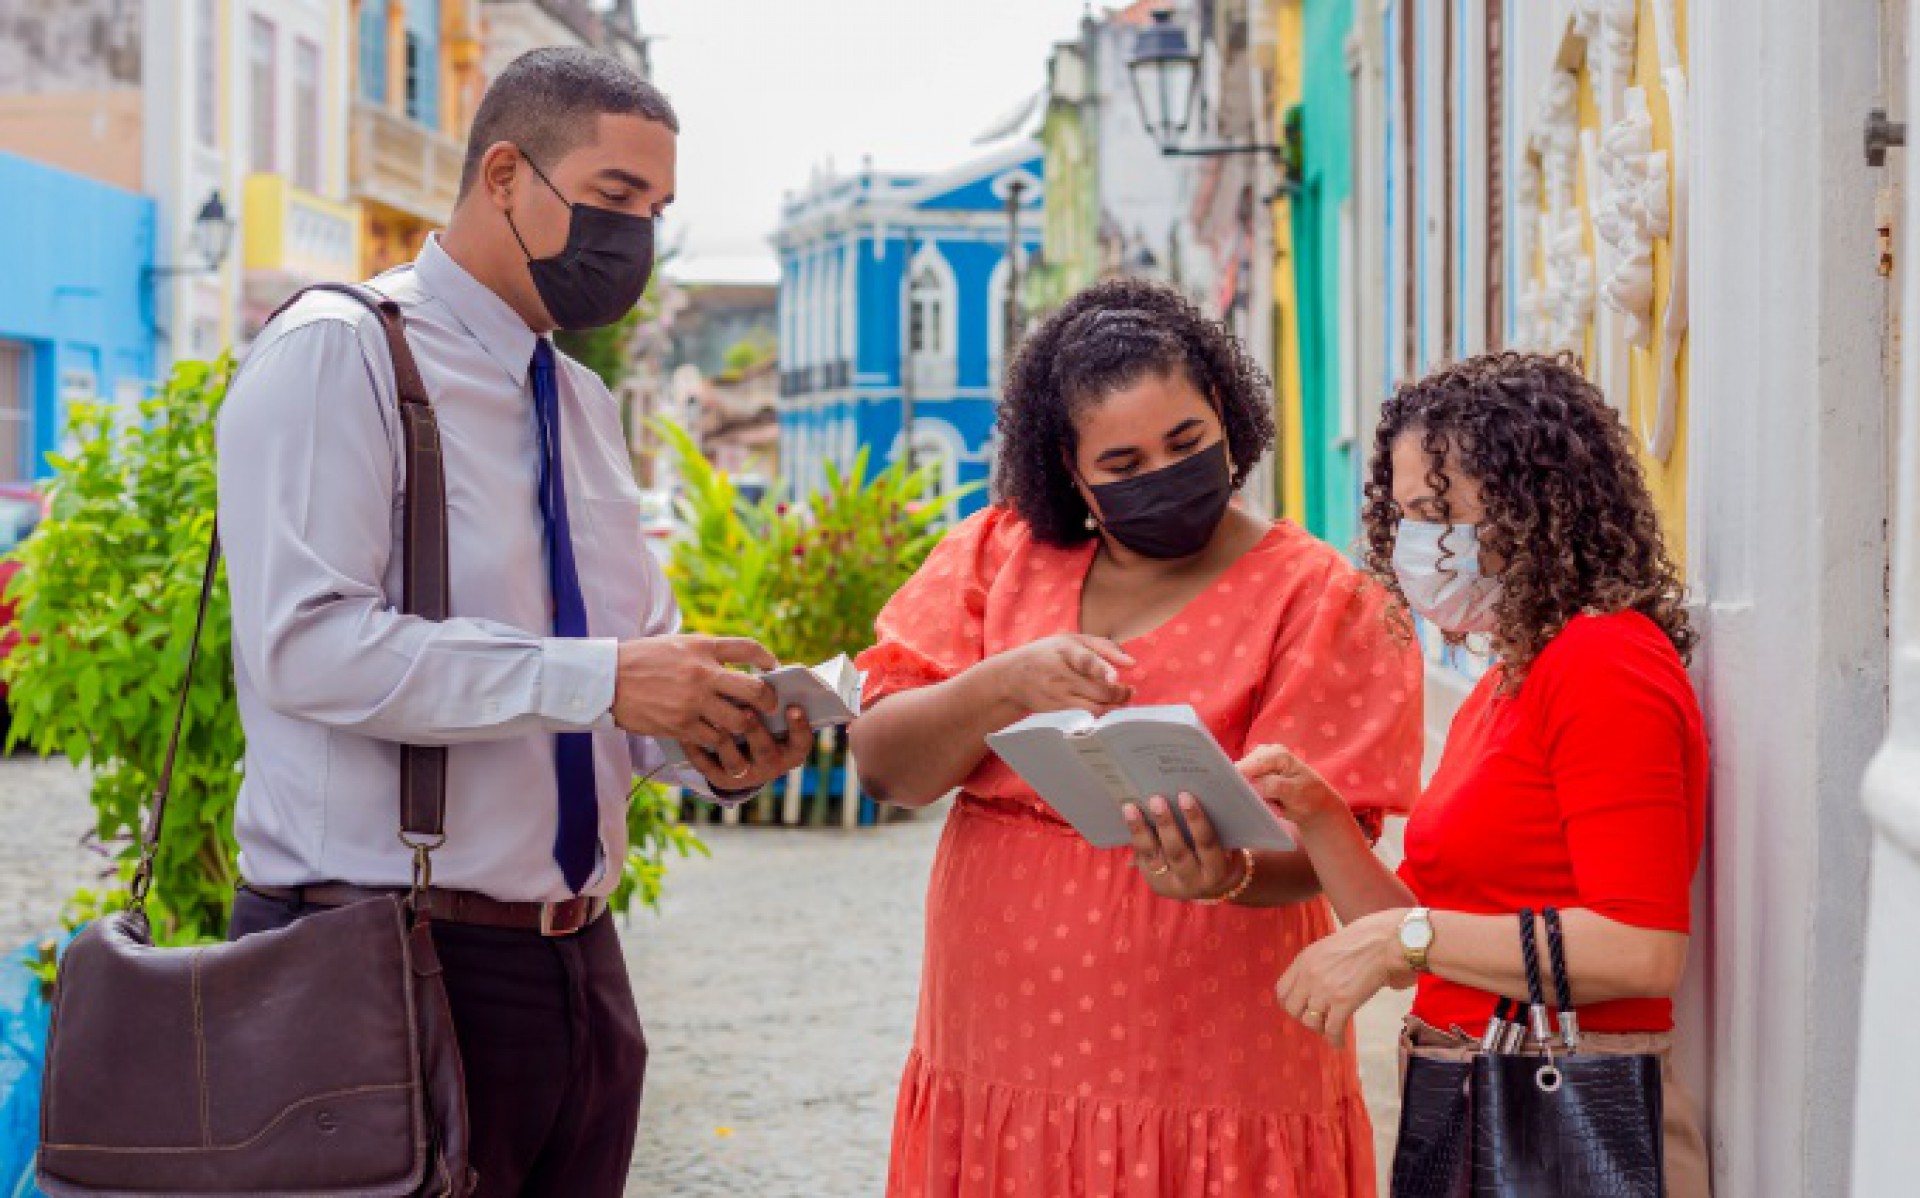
1284	91
417	80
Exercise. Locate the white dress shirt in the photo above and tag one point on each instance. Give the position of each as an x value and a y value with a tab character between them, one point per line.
333	678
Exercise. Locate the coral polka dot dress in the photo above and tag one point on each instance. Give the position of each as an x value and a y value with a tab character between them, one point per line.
1079	1035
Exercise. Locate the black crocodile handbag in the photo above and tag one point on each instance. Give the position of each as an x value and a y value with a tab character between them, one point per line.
1433	1156
1532	1124
1576	1125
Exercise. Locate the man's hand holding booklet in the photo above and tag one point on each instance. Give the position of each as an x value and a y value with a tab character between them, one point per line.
1089	768
828	693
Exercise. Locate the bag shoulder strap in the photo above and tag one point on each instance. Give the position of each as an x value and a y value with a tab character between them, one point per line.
423	768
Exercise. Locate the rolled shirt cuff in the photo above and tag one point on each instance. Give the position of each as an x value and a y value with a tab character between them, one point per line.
576	681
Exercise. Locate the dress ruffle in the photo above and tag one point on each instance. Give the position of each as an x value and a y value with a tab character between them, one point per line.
960	1137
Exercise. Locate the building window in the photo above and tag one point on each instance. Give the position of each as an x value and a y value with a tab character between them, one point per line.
306	114
415	90
926	313
373	50
262	70
206	72
16	413
423	91
932	323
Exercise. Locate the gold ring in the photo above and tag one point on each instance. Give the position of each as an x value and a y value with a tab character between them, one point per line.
739	773
1164	867
1310	1013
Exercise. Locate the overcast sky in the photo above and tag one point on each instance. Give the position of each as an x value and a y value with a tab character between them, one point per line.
769	89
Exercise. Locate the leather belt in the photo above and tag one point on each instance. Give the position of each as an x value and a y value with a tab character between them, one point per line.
455	906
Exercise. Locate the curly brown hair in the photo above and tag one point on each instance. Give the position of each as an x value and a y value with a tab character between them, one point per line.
1105	338
1567	507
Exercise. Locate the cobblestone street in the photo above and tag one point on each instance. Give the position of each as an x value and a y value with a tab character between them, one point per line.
778	990
44	857
777	986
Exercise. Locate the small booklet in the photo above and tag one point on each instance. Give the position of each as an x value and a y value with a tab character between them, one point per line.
1088	769
829	693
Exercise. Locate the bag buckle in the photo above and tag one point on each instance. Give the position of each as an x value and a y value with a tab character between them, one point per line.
422	869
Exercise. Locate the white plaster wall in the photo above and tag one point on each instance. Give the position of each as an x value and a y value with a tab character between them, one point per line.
1885	1146
1788	499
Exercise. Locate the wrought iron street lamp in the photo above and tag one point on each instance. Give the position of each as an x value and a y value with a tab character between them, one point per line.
212	239
1166	78
1166	85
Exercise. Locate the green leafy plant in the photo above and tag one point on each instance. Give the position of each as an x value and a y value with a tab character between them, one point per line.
805	579
607	351
749	352
107	591
654	830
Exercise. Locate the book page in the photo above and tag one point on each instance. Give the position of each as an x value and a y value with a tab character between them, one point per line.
1080	786
825	705
1169	758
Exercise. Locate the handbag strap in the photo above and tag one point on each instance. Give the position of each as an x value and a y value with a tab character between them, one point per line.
423	768
1557	953
1536	994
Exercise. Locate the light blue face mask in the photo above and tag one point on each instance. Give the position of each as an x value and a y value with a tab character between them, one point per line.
1438	566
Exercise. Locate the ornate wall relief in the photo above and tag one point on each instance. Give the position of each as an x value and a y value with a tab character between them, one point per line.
1630	211
1607	197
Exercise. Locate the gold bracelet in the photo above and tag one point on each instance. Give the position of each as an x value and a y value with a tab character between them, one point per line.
1240	887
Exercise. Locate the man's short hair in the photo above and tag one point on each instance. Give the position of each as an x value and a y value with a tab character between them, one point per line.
546	102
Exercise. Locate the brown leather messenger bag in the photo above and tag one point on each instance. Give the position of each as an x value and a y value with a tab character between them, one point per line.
318	1060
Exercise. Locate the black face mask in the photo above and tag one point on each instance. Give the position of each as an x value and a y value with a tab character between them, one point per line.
1172	512
601	274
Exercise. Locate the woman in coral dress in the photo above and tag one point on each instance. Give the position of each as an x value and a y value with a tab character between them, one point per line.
1101	1022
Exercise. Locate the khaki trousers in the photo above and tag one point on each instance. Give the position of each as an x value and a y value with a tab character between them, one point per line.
1689	1173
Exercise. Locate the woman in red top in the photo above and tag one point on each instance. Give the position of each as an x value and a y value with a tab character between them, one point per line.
1506	500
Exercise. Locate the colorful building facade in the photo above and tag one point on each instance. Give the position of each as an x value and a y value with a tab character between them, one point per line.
418	76
1322	219
1116	205
75	322
893	300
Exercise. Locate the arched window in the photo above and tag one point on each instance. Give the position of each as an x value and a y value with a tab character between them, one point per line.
926	313
932	321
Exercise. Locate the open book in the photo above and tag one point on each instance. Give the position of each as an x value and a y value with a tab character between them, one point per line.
829	693
1088	769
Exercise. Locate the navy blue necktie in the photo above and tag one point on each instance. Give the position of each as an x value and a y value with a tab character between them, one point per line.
576	846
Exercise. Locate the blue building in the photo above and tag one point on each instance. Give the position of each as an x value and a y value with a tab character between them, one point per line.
75	322
893	292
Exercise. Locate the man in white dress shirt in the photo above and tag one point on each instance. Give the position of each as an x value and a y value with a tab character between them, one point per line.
560	661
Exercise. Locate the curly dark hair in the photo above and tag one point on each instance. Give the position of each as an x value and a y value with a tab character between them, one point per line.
1106	338
1567	507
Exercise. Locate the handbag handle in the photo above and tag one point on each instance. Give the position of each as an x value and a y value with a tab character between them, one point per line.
423	768
1557	953
1536	995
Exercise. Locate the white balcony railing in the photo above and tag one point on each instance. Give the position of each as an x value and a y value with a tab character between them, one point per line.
404	164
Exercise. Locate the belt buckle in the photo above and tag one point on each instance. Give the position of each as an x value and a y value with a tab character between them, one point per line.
553	926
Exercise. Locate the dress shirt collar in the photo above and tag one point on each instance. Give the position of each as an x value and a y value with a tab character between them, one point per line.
487	318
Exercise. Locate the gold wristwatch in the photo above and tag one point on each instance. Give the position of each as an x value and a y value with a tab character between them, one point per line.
1416	938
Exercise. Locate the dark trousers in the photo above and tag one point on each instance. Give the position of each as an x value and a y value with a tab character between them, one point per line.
552	1047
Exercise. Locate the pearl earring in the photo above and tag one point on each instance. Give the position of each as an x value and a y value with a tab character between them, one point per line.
1090	522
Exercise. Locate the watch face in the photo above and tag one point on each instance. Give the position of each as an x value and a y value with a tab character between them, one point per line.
1417	935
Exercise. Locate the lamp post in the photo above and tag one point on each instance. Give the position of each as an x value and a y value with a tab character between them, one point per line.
212	240
908	359
1165	71
1010	314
